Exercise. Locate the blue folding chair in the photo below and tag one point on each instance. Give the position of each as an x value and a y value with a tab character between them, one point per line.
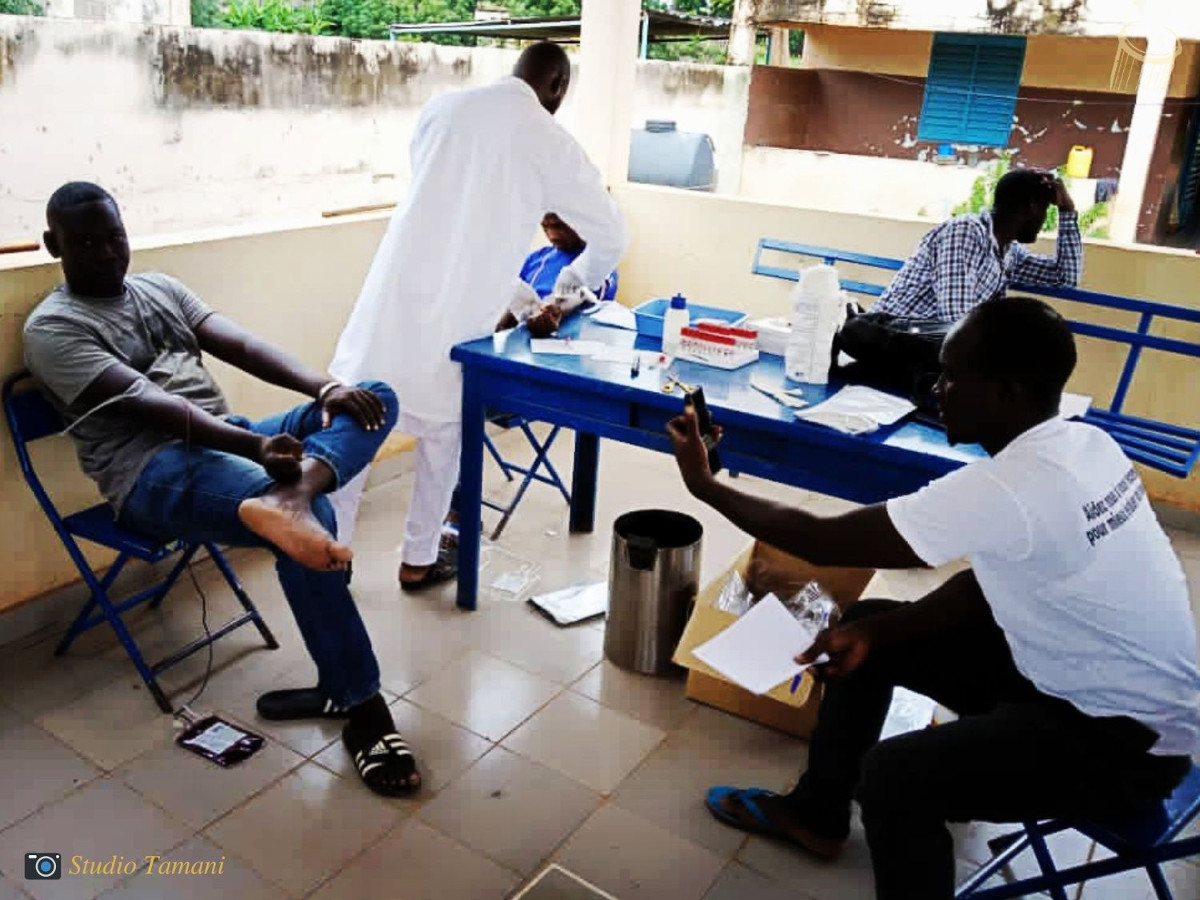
1146	843
530	473
31	418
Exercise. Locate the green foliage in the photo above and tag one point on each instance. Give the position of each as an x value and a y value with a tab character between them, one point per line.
1094	222
528	9
206	14
348	18
712	52
21	8
278	15
719	8
795	43
984	187
694	49
370	19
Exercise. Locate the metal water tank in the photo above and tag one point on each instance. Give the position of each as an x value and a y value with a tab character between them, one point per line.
661	154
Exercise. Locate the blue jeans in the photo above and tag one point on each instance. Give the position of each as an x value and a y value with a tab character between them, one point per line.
194	495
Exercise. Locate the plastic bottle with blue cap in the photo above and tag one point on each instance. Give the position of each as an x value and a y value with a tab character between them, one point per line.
676	319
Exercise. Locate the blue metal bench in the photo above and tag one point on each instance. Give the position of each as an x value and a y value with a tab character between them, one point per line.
31	418
1170	448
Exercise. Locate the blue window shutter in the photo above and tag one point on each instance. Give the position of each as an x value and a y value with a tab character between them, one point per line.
971	90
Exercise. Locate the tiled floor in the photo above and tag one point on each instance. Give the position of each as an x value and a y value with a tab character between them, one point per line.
533	749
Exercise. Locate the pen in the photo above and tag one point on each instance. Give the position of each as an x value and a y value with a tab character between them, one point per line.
796	681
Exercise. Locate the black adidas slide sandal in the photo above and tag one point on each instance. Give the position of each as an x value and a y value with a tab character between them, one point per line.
299	703
386	764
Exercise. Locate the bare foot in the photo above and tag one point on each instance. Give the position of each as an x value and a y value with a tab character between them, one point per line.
780	815
283	516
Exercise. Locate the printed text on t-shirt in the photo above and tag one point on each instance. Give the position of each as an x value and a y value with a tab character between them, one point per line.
1115	508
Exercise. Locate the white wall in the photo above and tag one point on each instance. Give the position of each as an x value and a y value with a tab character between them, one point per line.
143	12
194	128
867	185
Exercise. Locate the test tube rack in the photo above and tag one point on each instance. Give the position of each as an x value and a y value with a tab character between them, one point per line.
718	346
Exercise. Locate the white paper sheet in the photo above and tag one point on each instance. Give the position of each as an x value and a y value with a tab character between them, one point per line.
614	315
759	650
857	410
574	604
1074	405
909	711
565	347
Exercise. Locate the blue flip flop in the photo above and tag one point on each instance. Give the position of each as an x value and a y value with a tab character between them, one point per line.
745	796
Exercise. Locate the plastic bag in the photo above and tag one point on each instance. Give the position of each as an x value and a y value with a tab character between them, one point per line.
735	596
813	608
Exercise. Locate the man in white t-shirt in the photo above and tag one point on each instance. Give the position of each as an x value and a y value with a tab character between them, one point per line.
1068	647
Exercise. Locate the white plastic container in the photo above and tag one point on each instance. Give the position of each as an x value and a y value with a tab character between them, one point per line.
818	310
676	319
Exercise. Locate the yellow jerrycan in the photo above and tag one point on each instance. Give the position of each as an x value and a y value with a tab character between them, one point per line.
1079	161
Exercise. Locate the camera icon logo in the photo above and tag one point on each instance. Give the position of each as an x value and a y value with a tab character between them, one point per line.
43	866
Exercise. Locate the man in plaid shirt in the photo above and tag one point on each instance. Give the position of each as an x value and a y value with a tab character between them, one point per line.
973	258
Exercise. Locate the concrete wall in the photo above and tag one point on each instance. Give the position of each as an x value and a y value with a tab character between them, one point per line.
195	128
840	182
296	285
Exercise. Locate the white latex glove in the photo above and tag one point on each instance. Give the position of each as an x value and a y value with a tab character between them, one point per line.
568	283
568	303
525	301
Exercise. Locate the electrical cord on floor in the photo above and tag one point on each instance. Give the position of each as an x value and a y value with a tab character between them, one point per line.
184	713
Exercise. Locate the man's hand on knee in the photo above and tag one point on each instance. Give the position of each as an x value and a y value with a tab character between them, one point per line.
360	404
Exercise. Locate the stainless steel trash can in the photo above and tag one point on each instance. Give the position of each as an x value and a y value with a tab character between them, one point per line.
653	579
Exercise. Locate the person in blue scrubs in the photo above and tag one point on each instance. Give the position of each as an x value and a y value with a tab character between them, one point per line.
542	266
534	302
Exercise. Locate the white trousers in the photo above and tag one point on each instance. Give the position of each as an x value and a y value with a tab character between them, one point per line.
436	475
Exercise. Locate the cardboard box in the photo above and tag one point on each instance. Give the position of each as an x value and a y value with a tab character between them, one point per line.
765	569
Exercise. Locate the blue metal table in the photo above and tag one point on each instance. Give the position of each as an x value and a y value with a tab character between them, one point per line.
603	400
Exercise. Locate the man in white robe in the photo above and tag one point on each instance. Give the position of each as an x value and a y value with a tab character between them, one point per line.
487	163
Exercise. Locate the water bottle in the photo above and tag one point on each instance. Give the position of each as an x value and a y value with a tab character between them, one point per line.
675	320
817	313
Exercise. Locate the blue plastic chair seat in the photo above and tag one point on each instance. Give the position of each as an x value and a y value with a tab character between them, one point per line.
96	524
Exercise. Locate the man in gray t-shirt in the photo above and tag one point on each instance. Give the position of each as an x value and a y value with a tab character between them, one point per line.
121	359
70	341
